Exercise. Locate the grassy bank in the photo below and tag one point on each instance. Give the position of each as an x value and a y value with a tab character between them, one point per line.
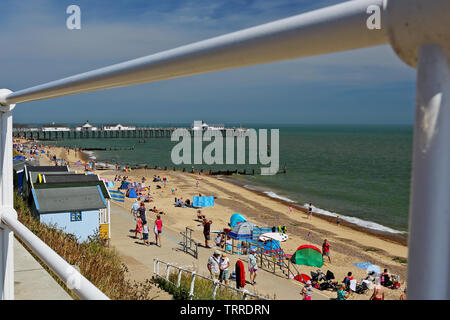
100	265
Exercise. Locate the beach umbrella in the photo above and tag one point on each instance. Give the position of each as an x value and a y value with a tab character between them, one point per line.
242	231
308	255
369	267
236	219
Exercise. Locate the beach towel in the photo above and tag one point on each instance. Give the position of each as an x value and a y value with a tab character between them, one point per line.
203	201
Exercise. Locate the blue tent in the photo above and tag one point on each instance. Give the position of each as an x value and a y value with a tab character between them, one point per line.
124	185
236	219
203	201
271	245
19	158
242	231
132	193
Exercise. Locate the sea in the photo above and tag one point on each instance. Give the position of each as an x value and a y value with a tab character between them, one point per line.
359	173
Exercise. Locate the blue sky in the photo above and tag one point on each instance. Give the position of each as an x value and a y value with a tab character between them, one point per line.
367	86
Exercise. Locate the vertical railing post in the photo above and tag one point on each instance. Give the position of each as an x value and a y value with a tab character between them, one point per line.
167	272
429	253
179	278
191	291
6	202
216	285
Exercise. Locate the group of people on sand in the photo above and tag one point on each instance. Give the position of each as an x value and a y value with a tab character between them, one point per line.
139	214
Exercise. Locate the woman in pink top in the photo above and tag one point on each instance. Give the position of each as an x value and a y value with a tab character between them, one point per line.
158	229
138	227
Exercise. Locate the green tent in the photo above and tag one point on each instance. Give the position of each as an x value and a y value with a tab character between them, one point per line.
308	255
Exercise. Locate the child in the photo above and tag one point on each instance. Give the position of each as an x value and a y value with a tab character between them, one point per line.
158	230
145	233
138	227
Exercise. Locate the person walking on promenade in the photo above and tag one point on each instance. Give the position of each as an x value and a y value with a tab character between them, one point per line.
158	229
252	266
145	233
138	227
141	211
135	208
224	271
214	265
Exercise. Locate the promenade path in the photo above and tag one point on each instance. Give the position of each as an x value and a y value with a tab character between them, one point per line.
31	280
139	258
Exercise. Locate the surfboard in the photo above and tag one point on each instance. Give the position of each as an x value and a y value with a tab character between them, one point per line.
240	274
274	236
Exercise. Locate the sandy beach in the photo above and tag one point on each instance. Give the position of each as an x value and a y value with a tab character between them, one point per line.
348	244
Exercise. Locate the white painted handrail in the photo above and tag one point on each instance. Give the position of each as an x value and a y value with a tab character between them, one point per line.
409	26
156	262
82	287
337	28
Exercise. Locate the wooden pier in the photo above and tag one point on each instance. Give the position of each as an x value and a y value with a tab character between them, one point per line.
39	134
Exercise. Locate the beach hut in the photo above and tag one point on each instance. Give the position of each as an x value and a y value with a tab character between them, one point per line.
236	219
242	231
75	210
308	255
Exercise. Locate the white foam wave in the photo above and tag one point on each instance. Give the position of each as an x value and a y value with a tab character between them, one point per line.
277	196
356	221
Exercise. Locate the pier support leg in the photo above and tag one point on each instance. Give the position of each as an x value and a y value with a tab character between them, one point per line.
429	250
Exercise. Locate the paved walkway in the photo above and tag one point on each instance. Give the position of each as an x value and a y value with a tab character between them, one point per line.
31	280
139	258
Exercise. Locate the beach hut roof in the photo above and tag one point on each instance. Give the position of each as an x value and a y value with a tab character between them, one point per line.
94	183
67	178
68	199
34	175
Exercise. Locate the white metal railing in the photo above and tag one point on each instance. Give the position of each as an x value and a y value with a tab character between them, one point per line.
417	30
215	283
79	285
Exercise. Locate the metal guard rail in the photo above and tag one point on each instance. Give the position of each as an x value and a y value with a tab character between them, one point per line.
84	289
216	283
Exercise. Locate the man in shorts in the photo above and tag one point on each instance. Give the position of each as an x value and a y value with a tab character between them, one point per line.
214	265
206	231
135	208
